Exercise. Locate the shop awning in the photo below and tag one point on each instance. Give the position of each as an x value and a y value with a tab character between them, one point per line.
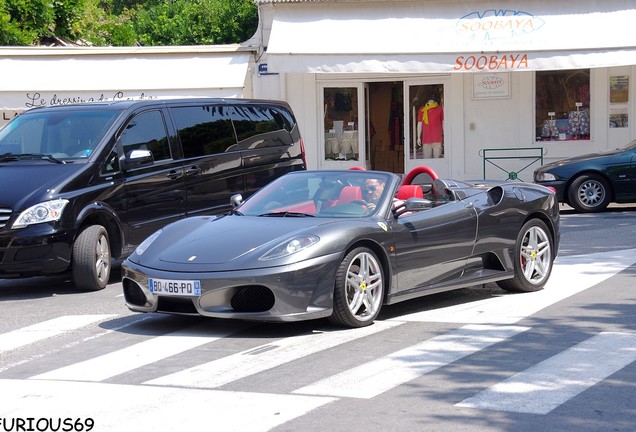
76	75
450	36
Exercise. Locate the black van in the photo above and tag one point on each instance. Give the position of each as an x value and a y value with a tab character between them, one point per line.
84	184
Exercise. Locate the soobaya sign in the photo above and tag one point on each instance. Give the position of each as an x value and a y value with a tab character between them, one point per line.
493	62
495	28
497	24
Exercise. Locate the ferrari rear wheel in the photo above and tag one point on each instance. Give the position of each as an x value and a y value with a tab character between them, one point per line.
359	289
533	258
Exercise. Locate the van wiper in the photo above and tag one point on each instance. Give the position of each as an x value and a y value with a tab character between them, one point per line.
286	214
14	157
53	159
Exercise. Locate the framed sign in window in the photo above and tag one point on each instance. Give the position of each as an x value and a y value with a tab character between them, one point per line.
619	89
491	85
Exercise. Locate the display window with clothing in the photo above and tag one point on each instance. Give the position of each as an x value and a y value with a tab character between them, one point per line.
341	123
427	112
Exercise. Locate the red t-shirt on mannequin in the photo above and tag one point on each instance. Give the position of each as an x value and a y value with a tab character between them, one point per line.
431	116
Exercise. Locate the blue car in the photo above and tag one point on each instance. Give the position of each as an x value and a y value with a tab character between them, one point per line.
589	183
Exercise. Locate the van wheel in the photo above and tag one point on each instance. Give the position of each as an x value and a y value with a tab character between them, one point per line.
91	259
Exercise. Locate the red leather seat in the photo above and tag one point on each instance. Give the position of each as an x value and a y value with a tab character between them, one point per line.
409	191
349	193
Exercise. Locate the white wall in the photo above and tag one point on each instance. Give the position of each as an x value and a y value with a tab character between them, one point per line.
475	124
301	93
491	123
509	123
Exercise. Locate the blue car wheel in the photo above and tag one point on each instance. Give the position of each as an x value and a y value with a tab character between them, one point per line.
589	193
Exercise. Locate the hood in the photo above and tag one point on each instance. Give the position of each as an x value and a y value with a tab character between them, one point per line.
594	155
31	183
223	243
581	158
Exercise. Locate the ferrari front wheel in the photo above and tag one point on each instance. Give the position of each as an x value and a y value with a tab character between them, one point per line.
533	258
359	289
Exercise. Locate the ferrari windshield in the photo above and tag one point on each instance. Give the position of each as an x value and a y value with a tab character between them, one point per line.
63	134
334	194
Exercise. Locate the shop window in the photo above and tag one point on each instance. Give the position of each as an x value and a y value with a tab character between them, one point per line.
341	123
426	111
562	104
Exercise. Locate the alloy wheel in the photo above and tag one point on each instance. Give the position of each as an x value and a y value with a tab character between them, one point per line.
591	193
364	286
536	255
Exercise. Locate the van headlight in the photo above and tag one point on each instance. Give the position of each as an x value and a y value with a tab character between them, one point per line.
49	211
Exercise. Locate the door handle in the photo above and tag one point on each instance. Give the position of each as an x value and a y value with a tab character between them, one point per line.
174	174
194	170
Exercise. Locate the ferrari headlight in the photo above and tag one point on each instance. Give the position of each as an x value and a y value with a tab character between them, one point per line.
48	211
290	247
545	176
146	243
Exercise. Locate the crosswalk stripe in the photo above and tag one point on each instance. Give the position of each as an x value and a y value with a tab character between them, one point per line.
46	329
117	407
138	355
545	386
376	377
227	369
511	308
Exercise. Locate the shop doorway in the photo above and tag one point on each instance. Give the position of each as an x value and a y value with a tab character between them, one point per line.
384	138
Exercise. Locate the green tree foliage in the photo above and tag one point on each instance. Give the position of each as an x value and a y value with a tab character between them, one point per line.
103	27
128	22
67	14
196	22
23	22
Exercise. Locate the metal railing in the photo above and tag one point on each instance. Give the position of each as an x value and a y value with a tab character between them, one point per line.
533	154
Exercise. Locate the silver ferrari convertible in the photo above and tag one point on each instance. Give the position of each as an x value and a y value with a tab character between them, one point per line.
340	244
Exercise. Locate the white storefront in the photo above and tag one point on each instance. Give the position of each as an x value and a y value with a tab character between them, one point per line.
518	82
538	80
34	77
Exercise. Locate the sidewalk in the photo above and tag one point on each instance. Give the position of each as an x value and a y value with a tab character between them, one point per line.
611	207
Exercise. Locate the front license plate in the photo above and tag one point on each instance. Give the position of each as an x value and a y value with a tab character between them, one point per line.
185	288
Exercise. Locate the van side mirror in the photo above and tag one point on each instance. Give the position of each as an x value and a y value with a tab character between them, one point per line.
139	157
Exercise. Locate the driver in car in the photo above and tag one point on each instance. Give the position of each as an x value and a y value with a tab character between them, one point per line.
372	192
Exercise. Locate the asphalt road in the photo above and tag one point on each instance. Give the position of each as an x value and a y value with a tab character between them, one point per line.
476	359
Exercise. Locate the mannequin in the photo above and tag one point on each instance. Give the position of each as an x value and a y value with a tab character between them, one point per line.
430	129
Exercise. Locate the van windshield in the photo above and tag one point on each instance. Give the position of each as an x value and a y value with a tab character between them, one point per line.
60	134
